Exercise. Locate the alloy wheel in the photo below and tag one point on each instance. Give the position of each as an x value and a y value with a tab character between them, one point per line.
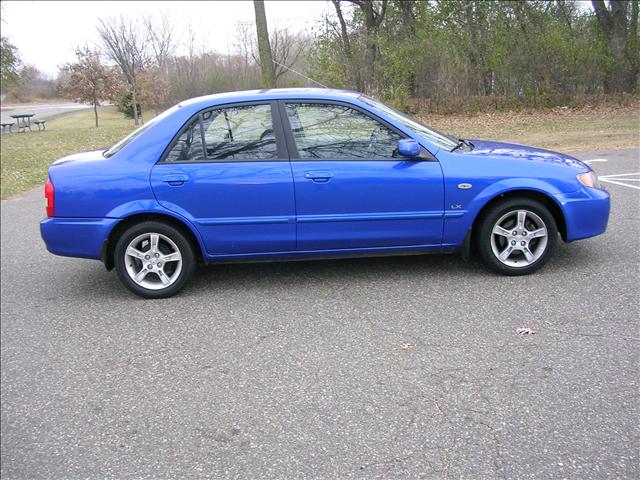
153	261
519	238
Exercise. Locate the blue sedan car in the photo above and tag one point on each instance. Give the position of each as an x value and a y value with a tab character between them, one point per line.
299	173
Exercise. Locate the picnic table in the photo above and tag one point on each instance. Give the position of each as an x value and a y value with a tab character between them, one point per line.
24	121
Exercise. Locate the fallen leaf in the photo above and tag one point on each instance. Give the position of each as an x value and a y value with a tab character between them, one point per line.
526	331
406	346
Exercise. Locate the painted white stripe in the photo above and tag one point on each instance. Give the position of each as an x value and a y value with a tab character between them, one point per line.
594	160
606	180
619	175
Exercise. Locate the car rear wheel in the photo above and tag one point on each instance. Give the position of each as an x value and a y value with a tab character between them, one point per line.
517	236
154	259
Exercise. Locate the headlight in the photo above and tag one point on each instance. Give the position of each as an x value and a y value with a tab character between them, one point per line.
589	179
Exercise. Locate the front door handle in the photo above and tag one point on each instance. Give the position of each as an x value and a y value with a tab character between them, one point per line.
175	179
319	177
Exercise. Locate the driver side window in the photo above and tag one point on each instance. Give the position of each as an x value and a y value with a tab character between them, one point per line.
337	132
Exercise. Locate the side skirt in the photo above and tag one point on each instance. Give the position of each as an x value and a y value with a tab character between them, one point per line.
333	254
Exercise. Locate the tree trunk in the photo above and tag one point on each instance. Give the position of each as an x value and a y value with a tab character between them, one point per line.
353	70
408	25
372	20
613	26
95	110
134	100
264	48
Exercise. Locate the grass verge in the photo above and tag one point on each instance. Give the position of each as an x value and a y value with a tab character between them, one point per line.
24	157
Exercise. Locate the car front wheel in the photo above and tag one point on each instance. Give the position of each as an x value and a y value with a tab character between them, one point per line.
154	259
517	236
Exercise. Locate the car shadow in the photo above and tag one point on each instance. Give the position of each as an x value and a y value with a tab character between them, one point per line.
216	277
305	273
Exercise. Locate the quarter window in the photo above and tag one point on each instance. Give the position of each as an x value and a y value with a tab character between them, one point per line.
337	132
188	147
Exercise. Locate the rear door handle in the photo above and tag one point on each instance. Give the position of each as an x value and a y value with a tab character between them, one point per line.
319	177
175	179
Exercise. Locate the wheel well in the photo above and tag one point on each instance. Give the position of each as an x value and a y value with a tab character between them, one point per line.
548	202
110	242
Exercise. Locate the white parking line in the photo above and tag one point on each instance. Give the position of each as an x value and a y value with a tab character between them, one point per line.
621	175
594	160
621	178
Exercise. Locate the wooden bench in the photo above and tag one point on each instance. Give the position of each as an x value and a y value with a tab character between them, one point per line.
5	126
40	124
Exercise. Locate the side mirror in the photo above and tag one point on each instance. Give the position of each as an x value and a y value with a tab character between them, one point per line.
408	147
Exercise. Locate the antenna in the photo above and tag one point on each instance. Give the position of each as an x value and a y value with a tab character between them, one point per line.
298	73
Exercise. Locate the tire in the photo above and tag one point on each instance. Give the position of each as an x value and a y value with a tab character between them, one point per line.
154	259
530	247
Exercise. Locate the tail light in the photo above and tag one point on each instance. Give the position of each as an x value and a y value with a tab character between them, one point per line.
49	197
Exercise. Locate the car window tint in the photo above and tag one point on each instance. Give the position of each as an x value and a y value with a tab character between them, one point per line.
239	133
188	147
337	132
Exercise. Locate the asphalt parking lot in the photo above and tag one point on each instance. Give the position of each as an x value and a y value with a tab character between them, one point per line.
297	370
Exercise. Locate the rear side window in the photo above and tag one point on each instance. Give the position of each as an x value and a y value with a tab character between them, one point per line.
337	132
242	133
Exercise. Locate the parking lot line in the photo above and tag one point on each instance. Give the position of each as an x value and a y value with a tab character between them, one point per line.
620	179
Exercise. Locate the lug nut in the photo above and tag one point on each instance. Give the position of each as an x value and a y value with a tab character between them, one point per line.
513	242
147	257
523	243
149	267
159	264
524	234
515	233
157	255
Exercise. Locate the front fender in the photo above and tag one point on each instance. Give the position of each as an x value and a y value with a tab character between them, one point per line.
458	222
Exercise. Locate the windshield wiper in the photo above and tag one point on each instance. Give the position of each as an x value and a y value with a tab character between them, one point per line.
460	144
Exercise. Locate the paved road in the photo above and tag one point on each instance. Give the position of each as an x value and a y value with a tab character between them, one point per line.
296	370
40	111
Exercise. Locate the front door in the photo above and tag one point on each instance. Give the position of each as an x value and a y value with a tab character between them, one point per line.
229	173
352	189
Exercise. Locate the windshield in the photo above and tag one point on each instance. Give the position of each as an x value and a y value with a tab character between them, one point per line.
440	139
137	132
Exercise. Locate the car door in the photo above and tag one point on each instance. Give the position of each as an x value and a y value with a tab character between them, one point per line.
352	189
228	171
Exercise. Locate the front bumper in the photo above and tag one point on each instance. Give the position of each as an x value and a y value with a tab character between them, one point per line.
586	212
76	237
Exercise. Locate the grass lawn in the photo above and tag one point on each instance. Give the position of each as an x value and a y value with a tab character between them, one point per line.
24	157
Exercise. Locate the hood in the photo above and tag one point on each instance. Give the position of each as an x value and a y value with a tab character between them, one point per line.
89	156
513	151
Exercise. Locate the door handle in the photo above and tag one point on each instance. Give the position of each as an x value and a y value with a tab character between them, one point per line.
319	177
175	179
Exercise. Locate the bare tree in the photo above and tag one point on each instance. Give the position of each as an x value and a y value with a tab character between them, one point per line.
264	47
287	49
161	40
126	46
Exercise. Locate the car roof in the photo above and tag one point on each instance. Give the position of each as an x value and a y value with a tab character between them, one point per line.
272	94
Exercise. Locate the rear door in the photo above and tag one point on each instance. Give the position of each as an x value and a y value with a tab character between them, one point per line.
352	189
228	171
